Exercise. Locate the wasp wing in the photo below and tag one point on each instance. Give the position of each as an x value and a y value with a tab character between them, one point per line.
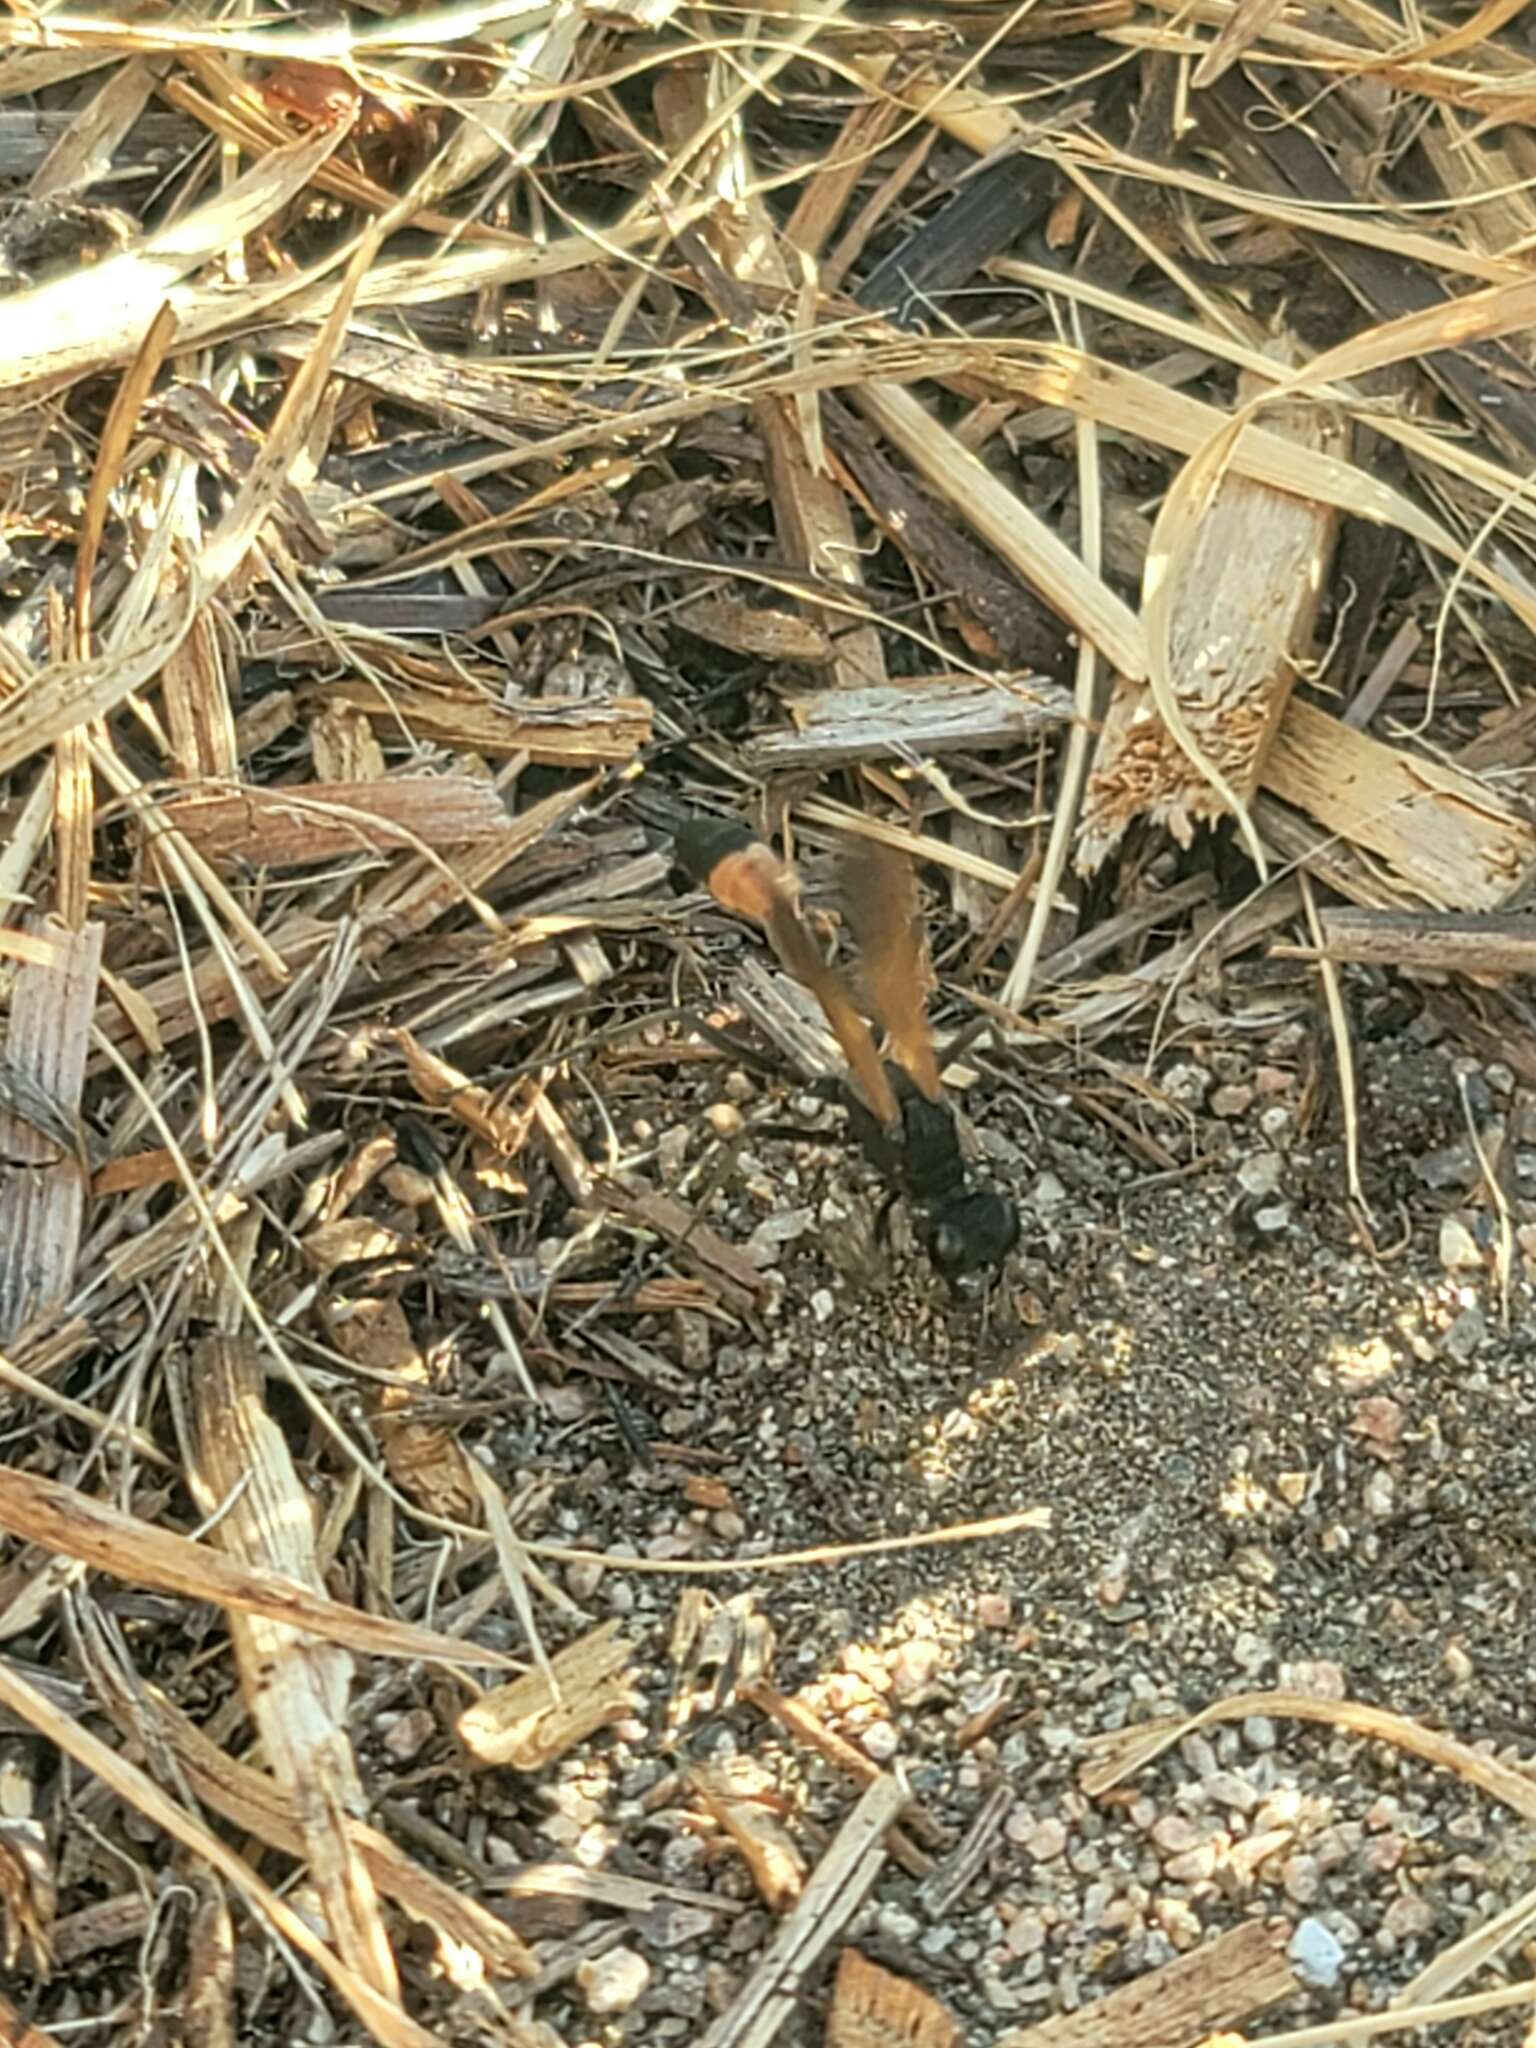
745	875
880	902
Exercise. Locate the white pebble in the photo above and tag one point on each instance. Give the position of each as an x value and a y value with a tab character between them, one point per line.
612	1982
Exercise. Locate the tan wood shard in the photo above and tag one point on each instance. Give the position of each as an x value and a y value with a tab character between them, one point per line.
531	1722
1244	615
733	1792
874	2008
1425	831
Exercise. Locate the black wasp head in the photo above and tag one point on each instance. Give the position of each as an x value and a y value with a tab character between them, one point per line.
972	1232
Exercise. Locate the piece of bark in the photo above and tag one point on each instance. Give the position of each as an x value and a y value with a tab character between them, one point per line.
874	2008
556	733
981	218
1222	1981
531	1722
943	1887
996	614
325	821
937	715
1243	617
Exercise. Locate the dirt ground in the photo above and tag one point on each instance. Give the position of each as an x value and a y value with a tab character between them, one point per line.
1277	1447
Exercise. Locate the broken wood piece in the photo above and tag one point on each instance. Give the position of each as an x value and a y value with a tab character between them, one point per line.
936	715
44	1171
807	1726
1442	835
1179	2005
1437	941
815	525
733	1793
554	732
843	1879
323	821
1242	620
874	2008
424	1458
532	1722
763	632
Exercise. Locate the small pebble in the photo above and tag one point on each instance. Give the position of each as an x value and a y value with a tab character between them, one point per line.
1047	1840
1459	1248
1457	1663
1259	1175
1316	1955
880	1741
611	1983
723	1118
1186	1084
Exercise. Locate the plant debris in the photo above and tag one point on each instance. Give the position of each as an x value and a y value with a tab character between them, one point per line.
1059	476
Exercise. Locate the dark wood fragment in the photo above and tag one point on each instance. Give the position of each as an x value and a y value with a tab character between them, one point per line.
1444	941
984	217
1025	632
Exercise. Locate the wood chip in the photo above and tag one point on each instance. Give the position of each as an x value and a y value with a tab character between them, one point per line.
874	2008
533	1721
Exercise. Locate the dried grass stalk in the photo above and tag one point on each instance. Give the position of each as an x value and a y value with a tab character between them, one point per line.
44	1175
296	1689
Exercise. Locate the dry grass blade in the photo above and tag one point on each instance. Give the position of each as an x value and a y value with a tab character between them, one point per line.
45	1175
1120	1756
98	315
73	1524
384	2019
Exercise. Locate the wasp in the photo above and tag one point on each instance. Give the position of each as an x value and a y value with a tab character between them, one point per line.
896	1106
